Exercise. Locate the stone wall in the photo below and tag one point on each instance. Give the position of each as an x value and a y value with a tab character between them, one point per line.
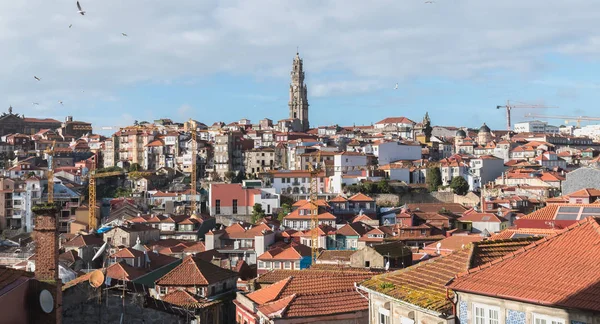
81	304
580	179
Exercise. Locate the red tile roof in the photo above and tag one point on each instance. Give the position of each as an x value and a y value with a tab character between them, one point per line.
568	261
482	217
180	298
512	232
123	271
310	296
452	243
395	120
424	284
195	272
361	197
292	252
84	240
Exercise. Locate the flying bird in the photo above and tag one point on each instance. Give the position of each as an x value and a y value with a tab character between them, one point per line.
37	78
35	103
396	87
60	102
429	1
71	25
81	12
124	34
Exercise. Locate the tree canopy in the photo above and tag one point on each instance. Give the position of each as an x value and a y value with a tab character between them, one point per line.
459	185
433	178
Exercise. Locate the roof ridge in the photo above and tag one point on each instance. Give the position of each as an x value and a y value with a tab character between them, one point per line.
526	248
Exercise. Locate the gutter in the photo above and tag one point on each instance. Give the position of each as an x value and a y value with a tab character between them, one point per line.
401	302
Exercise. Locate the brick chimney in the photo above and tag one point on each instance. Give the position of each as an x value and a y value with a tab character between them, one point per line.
46	258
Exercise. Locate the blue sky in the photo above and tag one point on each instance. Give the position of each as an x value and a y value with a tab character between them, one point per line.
215	61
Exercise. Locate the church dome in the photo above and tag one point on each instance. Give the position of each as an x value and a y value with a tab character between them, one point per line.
484	128
461	133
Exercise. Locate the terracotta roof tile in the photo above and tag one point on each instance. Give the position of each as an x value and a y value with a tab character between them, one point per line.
270	293
361	197
123	271
568	261
512	232
180	298
193	271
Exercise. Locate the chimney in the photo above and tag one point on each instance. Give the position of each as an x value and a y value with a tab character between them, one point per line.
46	258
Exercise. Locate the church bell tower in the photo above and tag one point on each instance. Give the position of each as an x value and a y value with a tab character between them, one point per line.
298	94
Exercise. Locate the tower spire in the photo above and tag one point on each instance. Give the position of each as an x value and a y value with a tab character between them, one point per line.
298	103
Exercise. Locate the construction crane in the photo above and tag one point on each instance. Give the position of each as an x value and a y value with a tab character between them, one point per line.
578	119
193	175
314	207
510	107
93	220
50	153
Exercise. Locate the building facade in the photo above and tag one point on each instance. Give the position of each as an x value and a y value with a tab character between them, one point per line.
298	94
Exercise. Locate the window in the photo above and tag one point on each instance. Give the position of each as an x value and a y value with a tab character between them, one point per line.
423	232
240	319
235	205
287	265
212	290
297	265
224	288
384	316
367	264
218	206
162	290
545	319
485	314
124	240
276	265
261	265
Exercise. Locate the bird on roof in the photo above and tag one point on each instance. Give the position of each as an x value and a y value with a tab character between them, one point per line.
396	87
35	77
79	10
124	34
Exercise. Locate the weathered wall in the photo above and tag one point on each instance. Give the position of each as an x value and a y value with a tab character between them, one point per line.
580	179
82	305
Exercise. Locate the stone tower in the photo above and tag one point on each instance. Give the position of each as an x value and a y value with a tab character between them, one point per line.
298	94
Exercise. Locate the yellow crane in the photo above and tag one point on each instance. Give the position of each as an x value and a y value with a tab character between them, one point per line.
193	175
578	119
93	220
50	153
314	207
509	106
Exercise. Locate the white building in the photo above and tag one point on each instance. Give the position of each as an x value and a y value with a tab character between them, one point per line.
483	170
535	126
388	152
344	164
591	131
294	182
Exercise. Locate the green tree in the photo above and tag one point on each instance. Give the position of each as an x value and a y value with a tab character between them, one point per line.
135	167
383	186
229	175
433	178
257	213
285	209
369	187
459	185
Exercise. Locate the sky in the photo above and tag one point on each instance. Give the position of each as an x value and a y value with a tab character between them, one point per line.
227	60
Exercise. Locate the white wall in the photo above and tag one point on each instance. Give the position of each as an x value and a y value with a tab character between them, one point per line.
394	151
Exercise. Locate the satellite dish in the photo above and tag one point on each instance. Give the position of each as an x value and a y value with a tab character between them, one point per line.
100	251
96	278
46	301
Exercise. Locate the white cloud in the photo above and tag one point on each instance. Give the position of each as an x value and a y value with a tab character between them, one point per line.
382	42
344	87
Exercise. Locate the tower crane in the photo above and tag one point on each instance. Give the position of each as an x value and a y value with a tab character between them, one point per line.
50	153
314	208
578	119
509	106
93	220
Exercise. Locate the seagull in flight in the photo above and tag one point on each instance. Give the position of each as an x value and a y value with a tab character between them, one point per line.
37	78
429	1
60	102
36	104
124	34
81	12
70	25
396	87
